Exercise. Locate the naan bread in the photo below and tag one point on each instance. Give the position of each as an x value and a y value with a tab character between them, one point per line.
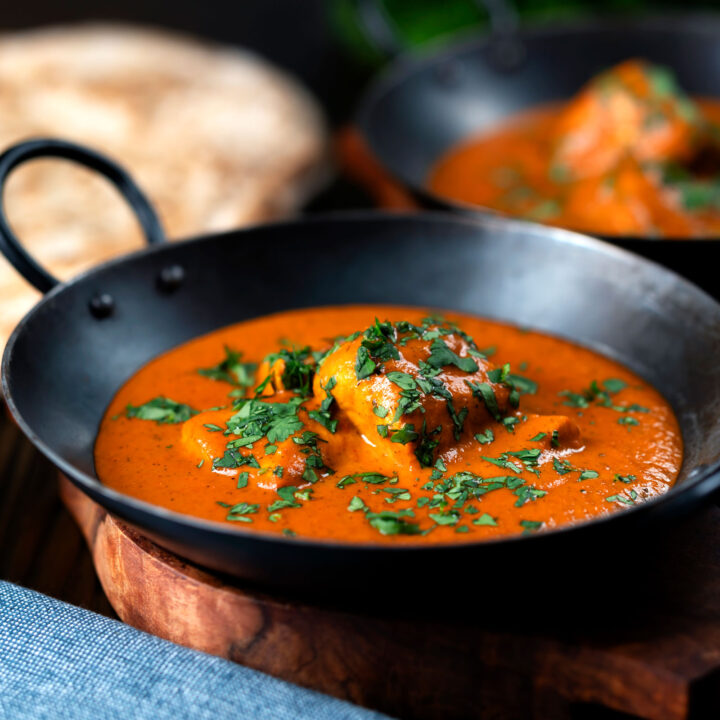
214	135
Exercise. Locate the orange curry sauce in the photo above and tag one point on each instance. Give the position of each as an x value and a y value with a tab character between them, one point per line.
409	431
629	155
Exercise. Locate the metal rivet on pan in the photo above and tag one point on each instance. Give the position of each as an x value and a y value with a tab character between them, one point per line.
101	305
171	278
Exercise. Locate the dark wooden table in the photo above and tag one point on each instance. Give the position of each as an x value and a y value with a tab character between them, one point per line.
40	545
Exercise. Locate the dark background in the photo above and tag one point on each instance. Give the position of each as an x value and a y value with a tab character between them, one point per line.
320	41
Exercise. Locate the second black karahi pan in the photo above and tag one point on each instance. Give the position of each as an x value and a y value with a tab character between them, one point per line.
70	354
425	104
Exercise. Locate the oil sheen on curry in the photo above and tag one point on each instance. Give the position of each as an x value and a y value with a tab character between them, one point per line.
387	424
630	155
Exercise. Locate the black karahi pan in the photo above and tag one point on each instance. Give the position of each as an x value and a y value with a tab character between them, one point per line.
425	104
70	354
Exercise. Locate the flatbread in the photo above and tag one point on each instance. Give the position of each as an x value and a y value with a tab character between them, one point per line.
214	135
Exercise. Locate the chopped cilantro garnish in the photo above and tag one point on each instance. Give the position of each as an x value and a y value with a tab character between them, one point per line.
530	525
393	523
628	421
380	411
575	399
527	493
356	503
425	451
627	479
562	466
397	494
450	517
233	459
287	499
484	392
614	385
162	410
405	435
376	347
298	368
620	499
510	422
231	370
322	415
441	356
240	512
403	380
523	385
372	478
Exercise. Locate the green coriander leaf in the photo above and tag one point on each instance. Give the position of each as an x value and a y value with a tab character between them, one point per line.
628	421
231	370
562	466
526	494
356	503
485	519
405	435
530	525
450	517
627	479
162	410
484	392
619	499
393	523
485	437
441	355
614	385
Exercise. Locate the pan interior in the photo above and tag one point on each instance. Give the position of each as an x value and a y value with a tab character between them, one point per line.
62	366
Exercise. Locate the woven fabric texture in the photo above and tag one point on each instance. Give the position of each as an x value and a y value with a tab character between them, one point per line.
62	662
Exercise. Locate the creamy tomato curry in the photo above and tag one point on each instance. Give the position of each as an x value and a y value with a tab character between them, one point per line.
631	155
386	424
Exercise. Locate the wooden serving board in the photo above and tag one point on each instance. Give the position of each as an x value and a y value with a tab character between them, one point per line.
657	657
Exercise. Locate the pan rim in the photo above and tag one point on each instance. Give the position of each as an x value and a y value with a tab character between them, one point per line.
695	484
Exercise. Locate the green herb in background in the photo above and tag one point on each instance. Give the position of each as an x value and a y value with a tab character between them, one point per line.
418	22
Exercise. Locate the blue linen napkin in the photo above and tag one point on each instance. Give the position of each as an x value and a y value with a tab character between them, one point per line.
62	662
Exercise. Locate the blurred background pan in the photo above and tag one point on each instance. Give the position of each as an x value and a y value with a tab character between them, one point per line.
426	103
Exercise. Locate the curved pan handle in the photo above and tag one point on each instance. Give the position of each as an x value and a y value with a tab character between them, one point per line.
507	51
11	247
